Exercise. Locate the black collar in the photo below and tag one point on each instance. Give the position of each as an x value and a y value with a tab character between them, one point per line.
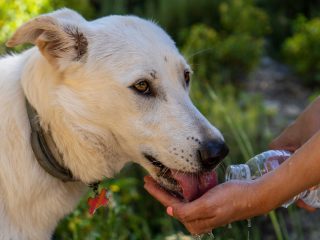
40	142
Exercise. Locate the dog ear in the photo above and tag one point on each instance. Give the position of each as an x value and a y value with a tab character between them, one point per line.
57	36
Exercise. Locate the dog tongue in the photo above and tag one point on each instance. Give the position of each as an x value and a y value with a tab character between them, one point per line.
194	185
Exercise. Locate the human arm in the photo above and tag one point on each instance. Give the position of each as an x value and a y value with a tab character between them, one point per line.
296	134
237	200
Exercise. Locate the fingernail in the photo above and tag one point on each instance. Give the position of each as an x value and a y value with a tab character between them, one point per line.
170	211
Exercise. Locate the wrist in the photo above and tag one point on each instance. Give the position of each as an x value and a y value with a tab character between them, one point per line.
267	195
257	200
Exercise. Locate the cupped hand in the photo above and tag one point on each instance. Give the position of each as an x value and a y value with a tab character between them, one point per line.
225	203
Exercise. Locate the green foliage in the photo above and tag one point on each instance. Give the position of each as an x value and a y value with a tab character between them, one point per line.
237	16
219	58
281	14
171	15
302	50
200	51
230	51
14	13
131	213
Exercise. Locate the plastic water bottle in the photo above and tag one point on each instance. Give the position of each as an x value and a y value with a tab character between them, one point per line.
266	162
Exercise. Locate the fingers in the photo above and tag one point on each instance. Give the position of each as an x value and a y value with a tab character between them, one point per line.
204	225
302	204
197	216
158	192
189	211
198	227
184	211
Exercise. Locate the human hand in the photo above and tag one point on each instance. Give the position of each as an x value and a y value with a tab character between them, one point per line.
301	130
225	203
302	204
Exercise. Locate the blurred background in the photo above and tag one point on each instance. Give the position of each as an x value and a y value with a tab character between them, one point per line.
256	66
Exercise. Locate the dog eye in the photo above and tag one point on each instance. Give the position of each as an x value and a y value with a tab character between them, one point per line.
142	87
187	77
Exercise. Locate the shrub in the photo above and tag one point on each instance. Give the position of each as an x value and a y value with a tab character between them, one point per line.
217	58
15	13
282	13
171	15
228	52
242	16
302	50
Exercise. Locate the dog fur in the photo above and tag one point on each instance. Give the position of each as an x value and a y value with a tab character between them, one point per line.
78	78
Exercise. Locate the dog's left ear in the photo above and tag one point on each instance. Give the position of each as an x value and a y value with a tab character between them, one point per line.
57	36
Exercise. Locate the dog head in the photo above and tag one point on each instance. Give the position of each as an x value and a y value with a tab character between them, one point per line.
118	91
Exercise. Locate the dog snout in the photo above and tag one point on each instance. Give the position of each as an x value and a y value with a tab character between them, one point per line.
211	153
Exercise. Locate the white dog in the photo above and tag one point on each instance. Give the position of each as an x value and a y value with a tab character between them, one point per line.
104	93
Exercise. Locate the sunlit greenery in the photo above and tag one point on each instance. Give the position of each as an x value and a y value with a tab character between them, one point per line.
302	50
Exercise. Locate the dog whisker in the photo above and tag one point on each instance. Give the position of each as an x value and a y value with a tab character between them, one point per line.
199	52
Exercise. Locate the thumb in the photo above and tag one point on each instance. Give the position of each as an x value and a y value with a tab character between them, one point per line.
170	211
185	211
177	211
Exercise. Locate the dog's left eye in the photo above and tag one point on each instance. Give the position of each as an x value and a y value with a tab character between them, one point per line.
187	77
142	87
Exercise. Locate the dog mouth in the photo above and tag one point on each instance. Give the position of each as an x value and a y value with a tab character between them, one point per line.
186	185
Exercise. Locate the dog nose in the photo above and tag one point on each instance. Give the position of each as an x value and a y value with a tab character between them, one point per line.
212	152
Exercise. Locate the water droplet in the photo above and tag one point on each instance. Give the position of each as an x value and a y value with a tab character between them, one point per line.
197	237
249	228
210	234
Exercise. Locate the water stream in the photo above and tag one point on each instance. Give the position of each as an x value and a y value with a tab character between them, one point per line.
197	237
249	228
206	236
210	236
